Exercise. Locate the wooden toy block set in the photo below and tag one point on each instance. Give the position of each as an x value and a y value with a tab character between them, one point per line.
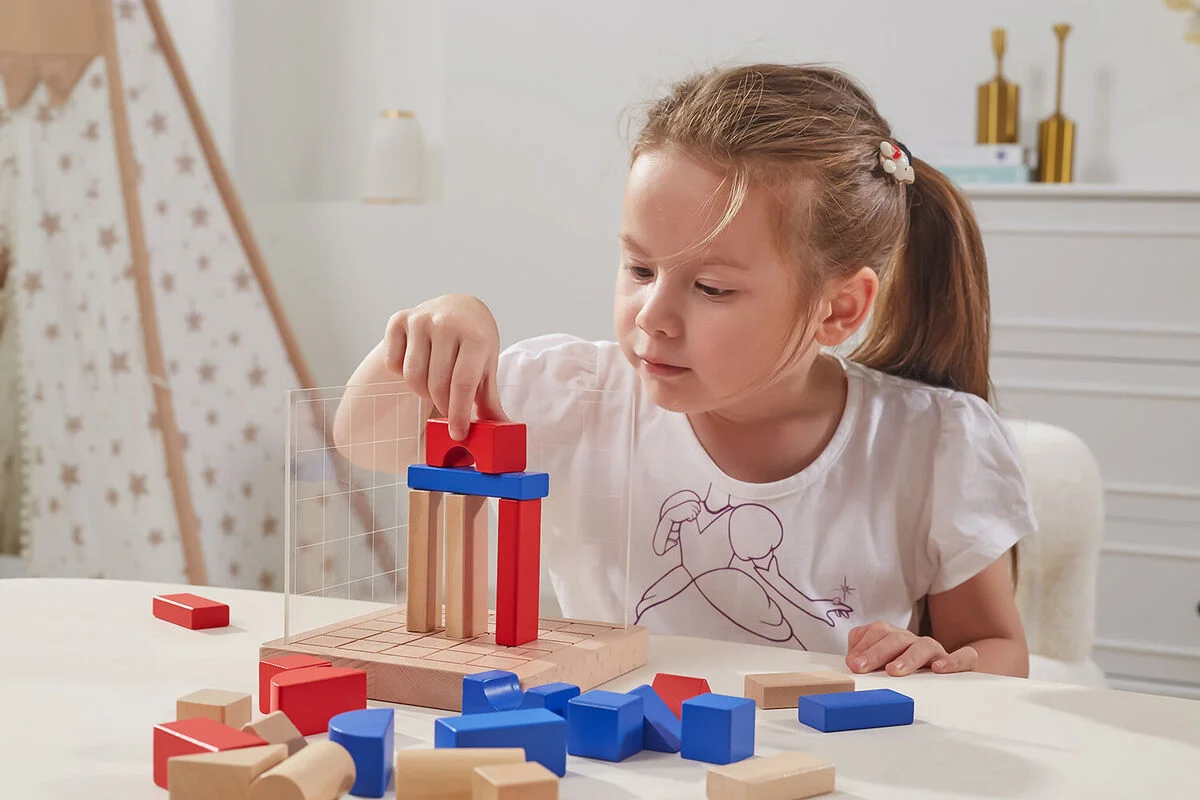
523	685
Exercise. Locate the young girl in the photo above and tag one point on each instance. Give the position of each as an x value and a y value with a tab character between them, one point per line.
781	494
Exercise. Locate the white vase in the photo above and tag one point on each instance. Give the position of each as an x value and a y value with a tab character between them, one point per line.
394	159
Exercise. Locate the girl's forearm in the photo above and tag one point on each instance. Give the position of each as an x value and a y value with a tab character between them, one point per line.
1000	656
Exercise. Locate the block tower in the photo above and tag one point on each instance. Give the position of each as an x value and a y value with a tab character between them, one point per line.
497	451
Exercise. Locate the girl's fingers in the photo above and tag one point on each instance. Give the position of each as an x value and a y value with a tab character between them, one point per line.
415	366
443	353
871	634
487	398
918	654
852	638
883	651
464	383
395	338
963	659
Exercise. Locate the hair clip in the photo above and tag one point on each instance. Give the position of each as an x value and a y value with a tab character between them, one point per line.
895	162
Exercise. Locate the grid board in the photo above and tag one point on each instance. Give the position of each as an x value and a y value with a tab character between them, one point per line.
426	669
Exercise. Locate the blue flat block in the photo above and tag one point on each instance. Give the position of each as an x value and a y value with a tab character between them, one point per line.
551	696
494	690
660	727
849	711
542	733
717	728
468	480
368	734
604	725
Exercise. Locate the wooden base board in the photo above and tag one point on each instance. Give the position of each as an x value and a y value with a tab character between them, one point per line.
426	669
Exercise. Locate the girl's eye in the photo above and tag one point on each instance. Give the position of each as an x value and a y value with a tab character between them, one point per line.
712	291
641	273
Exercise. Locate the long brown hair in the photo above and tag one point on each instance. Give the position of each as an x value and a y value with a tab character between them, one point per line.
810	136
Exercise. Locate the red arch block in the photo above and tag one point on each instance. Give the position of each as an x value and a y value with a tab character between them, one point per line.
494	447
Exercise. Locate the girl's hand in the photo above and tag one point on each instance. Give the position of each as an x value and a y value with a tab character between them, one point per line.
902	651
447	350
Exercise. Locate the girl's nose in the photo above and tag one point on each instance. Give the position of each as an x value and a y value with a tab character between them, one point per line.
658	316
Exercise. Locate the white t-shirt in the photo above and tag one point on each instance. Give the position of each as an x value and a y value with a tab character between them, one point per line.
919	490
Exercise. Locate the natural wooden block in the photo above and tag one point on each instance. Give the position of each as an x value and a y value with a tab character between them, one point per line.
780	689
427	669
321	771
231	708
447	773
528	781
276	728
785	776
466	566
227	775
424	560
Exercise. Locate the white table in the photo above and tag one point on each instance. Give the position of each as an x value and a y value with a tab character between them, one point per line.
86	671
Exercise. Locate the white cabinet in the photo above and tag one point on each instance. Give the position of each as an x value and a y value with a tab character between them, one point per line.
1096	328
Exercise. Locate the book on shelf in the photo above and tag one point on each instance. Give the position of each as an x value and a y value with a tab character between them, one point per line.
1011	173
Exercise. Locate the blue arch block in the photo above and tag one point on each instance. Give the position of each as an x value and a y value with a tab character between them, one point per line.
493	690
368	734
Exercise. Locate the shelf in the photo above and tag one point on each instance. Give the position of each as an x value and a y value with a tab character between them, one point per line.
1077	191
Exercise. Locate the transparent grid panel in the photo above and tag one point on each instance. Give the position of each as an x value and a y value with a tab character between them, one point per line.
347	510
347	533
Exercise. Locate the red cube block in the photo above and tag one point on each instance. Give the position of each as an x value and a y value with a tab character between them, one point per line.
192	736
312	696
270	667
191	611
494	447
674	689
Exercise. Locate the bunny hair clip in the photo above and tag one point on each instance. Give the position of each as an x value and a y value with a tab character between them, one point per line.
895	162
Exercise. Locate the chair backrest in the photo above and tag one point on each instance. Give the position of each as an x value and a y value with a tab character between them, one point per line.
1056	586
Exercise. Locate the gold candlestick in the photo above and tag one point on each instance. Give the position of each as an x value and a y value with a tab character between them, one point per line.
999	101
1056	133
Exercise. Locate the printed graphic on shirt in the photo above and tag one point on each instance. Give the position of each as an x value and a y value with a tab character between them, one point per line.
724	554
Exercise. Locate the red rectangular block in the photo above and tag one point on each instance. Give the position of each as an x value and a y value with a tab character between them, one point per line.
518	571
192	736
191	611
494	447
674	689
310	697
270	667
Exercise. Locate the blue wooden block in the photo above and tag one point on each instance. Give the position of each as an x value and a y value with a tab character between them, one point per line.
493	690
468	480
660	729
848	711
552	696
717	728
604	725
542	733
368	734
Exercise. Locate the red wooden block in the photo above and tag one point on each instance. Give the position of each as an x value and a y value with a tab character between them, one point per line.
311	696
191	611
674	689
191	736
518	571
270	667
494	447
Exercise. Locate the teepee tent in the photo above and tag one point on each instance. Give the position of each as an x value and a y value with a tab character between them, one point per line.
144	356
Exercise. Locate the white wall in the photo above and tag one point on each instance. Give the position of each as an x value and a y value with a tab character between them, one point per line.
530	125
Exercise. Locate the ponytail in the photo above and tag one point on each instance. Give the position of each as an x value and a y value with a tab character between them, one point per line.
932	317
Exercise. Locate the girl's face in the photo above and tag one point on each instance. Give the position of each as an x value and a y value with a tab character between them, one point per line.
704	329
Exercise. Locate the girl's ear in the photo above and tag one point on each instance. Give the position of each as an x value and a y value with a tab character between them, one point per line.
846	305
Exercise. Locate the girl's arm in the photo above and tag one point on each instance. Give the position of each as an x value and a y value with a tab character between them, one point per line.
975	626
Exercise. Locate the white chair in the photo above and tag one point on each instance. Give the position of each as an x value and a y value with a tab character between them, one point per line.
1056	586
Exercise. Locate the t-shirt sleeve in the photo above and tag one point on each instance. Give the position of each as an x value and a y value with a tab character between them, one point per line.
541	379
979	505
